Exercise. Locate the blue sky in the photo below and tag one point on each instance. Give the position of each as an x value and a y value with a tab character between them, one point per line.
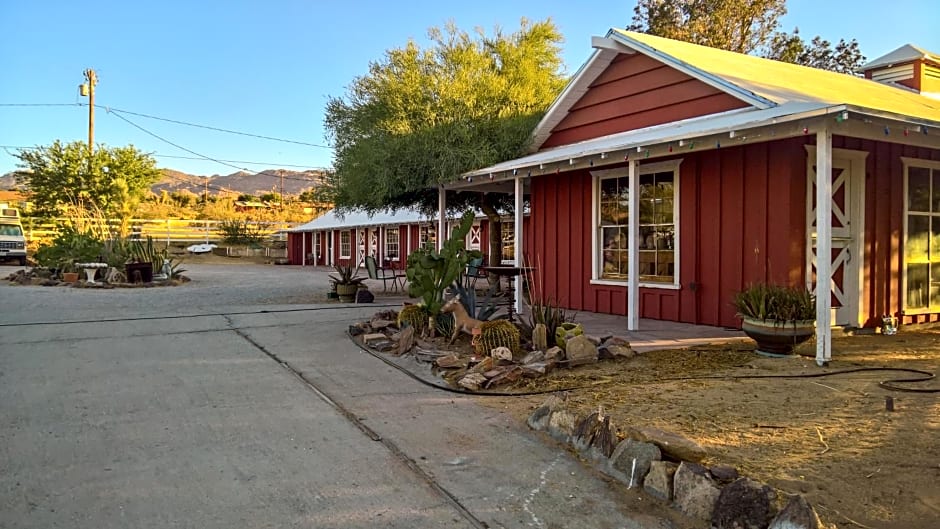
268	67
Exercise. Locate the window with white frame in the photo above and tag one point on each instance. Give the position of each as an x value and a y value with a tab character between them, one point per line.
658	233
426	237
508	238
391	244
922	236
345	245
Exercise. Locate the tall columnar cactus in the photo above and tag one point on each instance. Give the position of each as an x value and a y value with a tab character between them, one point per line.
498	333
430	272
540	337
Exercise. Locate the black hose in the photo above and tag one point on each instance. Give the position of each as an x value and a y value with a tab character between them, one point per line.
886	384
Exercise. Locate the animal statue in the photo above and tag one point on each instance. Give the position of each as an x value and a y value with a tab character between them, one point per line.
462	321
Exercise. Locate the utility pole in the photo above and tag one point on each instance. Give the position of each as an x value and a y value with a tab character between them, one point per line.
281	201
88	88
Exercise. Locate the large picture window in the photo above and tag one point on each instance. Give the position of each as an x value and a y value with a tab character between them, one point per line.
657	224
922	237
345	245
391	244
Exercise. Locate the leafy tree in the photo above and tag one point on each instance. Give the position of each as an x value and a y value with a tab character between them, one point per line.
845	57
735	25
744	26
421	117
61	177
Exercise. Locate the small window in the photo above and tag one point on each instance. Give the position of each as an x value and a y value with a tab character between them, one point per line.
508	237
345	245
391	244
426	237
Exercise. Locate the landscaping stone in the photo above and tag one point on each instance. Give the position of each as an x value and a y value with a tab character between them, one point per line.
724	473
472	381
450	362
694	492
534	357
554	354
607	352
565	331
539	418
744	504
561	425
672	444
373	337
501	353
658	482
798	514
356	330
633	459
593	339
580	351
512	374
379	324
406	340
537	369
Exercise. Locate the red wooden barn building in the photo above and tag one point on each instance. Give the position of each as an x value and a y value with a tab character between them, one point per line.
696	168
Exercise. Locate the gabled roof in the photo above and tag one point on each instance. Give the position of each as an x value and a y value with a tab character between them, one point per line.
760	82
906	53
331	220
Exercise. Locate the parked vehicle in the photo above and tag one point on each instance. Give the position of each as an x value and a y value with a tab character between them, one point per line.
12	241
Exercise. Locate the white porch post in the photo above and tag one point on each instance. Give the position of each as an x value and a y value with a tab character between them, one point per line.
441	211
404	255
332	246
823	246
633	250
303	248
517	249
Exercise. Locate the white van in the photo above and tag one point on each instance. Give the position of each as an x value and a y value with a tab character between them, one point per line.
12	241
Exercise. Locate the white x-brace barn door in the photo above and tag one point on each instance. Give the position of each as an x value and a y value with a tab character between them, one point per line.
848	232
474	236
361	250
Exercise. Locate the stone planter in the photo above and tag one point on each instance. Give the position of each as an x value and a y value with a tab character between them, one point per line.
347	293
778	339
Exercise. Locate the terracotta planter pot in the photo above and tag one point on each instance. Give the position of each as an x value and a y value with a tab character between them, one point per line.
70	277
778	339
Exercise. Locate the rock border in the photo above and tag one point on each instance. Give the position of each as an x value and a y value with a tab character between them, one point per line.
668	467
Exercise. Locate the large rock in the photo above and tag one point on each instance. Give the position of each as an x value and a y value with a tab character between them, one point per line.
472	381
580	351
798	514
565	331
561	425
694	492
744	504
554	354
633	458
672	444
658	482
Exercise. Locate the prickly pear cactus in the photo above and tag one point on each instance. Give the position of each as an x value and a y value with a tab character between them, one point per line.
498	333
540	337
566	331
415	316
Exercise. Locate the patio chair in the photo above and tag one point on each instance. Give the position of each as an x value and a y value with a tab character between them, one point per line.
474	271
384	274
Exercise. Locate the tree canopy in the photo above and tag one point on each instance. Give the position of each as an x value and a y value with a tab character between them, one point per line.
743	26
423	116
63	176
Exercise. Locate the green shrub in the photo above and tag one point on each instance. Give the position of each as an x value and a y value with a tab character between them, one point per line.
783	304
241	232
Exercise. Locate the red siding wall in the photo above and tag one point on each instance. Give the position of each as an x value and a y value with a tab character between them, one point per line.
884	225
635	92
726	239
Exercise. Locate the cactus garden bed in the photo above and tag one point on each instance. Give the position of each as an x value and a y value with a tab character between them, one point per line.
829	439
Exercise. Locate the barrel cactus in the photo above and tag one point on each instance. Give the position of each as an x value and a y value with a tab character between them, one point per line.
414	315
498	333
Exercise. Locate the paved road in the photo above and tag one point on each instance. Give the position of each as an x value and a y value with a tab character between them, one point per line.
230	403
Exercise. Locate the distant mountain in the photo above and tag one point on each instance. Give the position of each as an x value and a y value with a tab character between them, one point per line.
241	182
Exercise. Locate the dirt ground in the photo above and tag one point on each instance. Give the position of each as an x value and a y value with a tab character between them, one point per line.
830	439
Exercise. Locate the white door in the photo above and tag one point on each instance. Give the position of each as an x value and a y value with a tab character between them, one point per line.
848	233
361	247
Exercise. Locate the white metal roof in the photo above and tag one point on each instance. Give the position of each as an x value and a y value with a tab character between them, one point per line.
331	220
906	53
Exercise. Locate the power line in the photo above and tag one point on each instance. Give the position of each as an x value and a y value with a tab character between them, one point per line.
218	129
168	120
158	155
190	151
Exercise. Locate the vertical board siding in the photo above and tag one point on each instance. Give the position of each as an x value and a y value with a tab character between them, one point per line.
636	91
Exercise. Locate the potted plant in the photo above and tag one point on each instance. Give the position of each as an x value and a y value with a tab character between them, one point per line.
347	282
777	317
